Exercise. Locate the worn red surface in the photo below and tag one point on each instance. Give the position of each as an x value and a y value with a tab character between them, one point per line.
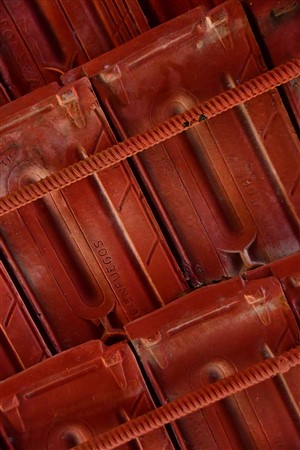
228	200
4	95
117	249
21	344
158	12
210	334
287	270
93	266
278	22
75	395
43	39
275	22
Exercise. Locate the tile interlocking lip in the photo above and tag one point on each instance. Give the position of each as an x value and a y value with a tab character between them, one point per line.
167	129
194	401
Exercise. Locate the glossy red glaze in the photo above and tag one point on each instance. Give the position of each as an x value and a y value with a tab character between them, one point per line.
75	395
226	199
213	333
93	266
